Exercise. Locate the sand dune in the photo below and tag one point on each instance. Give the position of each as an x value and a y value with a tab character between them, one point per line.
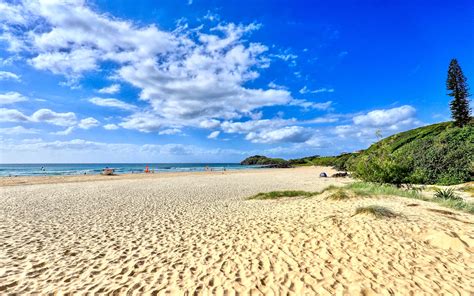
198	235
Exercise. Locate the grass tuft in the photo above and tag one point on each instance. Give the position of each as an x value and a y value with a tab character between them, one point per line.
281	194
339	195
446	194
370	189
290	193
376	211
457	204
469	189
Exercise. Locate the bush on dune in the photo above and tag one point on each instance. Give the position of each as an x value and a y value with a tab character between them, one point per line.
436	154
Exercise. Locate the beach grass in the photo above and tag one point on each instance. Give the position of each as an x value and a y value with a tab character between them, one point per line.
282	194
374	189
339	194
290	193
366	189
376	211
468	189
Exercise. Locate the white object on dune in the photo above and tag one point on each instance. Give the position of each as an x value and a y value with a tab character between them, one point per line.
108	171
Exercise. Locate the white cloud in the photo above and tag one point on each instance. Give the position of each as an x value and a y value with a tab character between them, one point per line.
185	75
305	90
293	134
170	131
285	57
388	121
214	135
4	75
143	122
254	125
111	102
386	117
111	126
49	116
65	132
209	123
11	97
311	105
113	89
12	115
276	86
17	130
88	123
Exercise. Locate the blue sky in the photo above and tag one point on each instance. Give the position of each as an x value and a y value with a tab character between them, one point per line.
199	81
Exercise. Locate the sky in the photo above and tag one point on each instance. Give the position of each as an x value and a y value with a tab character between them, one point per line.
217	81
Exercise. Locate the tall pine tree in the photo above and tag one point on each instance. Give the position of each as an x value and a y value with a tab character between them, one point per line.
459	90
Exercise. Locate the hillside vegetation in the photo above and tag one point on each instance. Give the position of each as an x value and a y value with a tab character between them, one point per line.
435	154
265	161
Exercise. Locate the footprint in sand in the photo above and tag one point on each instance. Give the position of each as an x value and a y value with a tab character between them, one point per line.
447	241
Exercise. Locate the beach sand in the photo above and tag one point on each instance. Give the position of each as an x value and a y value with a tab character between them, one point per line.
196	233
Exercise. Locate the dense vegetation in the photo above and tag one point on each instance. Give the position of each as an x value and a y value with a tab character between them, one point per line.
266	161
436	154
339	162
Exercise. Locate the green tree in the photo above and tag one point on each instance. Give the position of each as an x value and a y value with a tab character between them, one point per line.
459	90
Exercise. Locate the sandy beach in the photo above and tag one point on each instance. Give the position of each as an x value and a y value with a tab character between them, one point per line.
196	233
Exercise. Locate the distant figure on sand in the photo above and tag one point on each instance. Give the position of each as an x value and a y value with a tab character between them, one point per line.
147	170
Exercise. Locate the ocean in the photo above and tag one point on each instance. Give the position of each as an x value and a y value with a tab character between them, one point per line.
59	169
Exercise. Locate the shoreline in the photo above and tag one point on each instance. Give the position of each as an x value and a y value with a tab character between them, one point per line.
58	179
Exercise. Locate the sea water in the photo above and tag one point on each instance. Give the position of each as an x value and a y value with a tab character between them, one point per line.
50	169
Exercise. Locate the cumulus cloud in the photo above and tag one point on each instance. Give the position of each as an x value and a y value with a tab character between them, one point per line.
209	123
11	97
17	130
214	135
113	103
186	75
4	75
388	121
12	115
386	117
292	134
244	127
170	131
111	126
113	89
143	122
88	123
49	116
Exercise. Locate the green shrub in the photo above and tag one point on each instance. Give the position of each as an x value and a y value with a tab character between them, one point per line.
436	154
447	194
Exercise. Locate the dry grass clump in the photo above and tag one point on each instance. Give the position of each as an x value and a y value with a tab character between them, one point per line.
376	211
282	194
339	195
290	193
